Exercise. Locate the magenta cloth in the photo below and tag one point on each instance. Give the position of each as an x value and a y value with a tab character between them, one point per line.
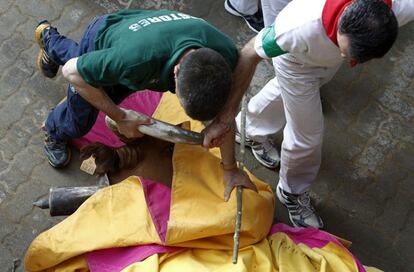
145	102
116	259
312	237
158	197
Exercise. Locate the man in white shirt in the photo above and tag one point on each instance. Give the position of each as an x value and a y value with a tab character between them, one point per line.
307	43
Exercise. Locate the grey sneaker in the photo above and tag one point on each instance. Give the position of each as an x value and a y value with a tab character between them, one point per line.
265	152
301	211
58	152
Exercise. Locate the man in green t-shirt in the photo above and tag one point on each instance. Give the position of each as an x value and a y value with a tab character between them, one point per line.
134	50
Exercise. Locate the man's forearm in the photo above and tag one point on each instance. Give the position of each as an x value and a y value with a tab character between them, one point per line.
227	149
96	97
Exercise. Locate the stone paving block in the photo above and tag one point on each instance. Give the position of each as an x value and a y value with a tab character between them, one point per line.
108	5
14	241
368	244
13	46
405	241
13	110
406	187
404	157
388	183
6	228
5	5
399	130
369	120
76	16
40	9
27	28
19	204
396	210
28	58
48	90
374	156
11	80
9	21
2	196
13	177
6	262
27	159
358	205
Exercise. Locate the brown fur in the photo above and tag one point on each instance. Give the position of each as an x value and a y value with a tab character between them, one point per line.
146	157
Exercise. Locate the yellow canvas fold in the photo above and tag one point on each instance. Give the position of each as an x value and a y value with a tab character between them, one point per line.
199	217
170	110
255	258
115	216
289	256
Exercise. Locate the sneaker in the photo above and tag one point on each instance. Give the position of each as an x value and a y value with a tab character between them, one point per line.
58	152
254	22
46	65
265	152
301	211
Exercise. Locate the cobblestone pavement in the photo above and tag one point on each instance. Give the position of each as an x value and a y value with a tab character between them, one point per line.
365	187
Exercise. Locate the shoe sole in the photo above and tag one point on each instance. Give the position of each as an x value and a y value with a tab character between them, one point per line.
38	38
235	13
65	163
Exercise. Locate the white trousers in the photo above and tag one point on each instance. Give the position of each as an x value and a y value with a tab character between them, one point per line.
291	101
270	8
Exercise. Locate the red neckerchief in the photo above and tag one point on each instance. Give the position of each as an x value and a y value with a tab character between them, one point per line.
332	10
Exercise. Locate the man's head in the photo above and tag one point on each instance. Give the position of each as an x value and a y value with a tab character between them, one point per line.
367	29
203	82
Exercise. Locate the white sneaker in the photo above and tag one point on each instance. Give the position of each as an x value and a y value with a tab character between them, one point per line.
265	152
301	211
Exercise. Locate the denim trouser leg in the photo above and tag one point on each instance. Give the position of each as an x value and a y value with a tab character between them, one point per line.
74	117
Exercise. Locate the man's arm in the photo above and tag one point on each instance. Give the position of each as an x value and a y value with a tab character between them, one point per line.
233	176
242	76
127	121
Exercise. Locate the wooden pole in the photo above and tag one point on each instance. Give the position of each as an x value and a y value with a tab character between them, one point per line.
236	237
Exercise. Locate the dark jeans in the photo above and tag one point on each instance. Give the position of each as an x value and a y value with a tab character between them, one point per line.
75	116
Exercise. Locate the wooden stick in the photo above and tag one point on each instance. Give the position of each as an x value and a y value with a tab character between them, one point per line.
236	237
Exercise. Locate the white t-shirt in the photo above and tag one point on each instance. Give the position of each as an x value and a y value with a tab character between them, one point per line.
299	30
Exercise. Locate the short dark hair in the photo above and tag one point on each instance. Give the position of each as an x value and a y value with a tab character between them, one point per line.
204	82
371	27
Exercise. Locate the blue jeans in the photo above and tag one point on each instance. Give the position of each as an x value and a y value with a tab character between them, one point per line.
75	116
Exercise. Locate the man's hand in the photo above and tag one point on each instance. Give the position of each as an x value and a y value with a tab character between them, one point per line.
214	133
128	125
235	177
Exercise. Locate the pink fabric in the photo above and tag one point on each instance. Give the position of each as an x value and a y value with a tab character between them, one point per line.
116	259
158	198
145	102
312	237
